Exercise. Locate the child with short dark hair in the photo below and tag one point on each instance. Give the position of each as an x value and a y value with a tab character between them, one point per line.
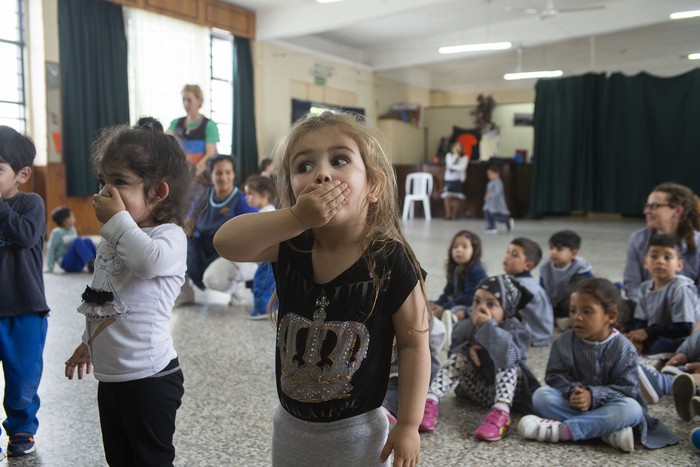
523	255
145	190
73	253
592	385
668	302
495	208
563	270
23	308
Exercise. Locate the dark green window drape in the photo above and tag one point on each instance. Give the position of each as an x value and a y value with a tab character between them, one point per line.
94	82
602	144
245	145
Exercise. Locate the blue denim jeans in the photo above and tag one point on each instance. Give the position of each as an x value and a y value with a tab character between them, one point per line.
615	415
22	341
493	217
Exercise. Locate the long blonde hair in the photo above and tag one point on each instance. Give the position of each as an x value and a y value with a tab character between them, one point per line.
382	224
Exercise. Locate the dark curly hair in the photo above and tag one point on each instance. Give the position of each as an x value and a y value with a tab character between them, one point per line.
604	292
689	222
155	157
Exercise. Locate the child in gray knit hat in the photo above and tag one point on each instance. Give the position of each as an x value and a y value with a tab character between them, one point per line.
488	362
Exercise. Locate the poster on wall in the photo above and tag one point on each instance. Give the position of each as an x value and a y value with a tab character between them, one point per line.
523	119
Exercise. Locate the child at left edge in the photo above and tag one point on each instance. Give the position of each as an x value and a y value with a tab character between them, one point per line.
145	190
347	284
592	385
23	308
523	255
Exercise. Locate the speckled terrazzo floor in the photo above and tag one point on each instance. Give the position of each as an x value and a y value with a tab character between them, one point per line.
225	418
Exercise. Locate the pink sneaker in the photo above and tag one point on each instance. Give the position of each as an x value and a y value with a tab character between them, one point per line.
494	427
429	415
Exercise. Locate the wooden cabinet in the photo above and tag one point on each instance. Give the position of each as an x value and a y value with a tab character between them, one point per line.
516	182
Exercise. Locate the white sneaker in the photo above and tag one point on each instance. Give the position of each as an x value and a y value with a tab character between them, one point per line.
621	439
672	370
649	392
541	429
186	296
563	323
491	231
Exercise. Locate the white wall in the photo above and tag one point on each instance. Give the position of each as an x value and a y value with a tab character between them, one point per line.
513	137
282	74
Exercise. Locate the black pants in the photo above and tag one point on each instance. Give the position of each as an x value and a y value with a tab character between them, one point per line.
138	419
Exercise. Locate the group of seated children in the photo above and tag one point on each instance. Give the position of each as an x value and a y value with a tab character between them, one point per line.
597	384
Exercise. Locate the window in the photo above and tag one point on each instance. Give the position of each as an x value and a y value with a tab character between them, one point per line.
221	88
12	101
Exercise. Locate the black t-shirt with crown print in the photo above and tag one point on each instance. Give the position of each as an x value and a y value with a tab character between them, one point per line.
333	355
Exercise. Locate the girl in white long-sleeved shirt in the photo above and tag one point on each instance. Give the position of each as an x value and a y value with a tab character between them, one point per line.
140	266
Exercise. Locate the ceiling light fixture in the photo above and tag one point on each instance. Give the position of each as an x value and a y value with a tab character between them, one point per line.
520	74
533	74
328	1
685	14
454	49
695	56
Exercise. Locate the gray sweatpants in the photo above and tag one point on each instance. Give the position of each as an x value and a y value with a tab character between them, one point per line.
352	441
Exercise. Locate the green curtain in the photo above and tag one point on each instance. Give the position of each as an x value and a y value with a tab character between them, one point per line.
94	82
602	144
245	145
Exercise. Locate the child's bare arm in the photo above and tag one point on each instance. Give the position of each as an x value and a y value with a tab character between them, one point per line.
255	237
411	326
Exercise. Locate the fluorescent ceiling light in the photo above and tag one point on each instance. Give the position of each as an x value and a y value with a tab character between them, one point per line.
685	14
454	49
695	56
533	74
328	1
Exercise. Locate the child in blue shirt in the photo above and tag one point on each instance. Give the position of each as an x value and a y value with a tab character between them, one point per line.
668	302
592	385
563	269
521	258
72	253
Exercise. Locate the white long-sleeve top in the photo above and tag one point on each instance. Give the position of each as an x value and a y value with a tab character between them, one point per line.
144	269
456	167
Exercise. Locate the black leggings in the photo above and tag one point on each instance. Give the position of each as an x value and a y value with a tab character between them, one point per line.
138	419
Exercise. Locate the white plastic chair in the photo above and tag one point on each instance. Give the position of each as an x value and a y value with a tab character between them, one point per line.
419	187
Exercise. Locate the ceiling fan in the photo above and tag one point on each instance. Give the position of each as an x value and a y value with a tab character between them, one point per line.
550	10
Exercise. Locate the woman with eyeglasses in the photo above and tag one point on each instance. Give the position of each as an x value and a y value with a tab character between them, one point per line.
671	209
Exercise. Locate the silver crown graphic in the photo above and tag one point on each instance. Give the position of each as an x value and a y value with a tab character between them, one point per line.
333	352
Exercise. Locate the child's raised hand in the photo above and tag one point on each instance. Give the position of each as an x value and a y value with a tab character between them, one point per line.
580	399
318	203
677	359
480	316
107	203
81	360
405	442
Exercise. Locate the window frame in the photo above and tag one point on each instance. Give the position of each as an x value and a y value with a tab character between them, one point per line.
21	116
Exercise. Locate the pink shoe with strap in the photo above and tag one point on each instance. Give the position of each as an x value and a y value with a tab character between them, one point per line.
494	427
429	415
